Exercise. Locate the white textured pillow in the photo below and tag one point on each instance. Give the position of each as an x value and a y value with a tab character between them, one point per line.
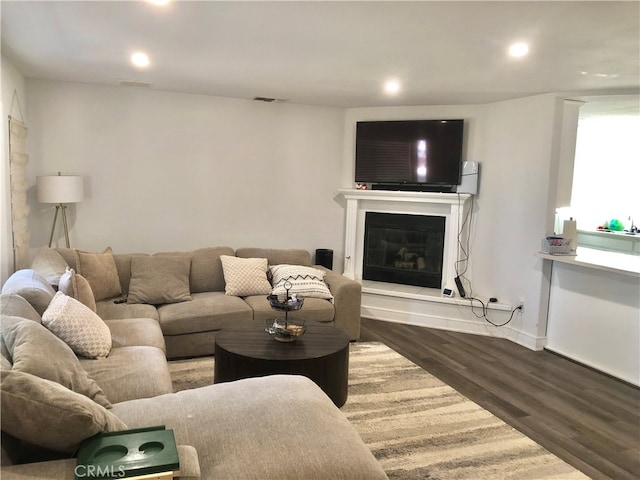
245	276
78	326
305	281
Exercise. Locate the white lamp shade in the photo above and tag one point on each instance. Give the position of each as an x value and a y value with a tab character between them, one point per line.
60	189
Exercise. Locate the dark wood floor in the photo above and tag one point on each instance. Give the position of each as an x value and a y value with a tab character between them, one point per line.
588	419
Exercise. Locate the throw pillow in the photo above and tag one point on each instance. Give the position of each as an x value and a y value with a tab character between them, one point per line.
34	349
46	414
245	276
78	326
305	281
50	264
159	279
31	286
78	287
101	272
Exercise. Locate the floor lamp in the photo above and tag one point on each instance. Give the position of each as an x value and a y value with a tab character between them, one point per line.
60	189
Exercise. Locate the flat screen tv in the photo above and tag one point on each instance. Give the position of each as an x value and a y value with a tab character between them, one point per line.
420	153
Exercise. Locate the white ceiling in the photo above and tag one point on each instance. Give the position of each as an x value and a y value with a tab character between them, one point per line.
334	53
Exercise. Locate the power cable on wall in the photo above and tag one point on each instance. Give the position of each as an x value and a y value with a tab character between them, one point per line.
465	249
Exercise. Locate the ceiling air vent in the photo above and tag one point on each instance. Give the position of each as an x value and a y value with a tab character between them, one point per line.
129	83
269	99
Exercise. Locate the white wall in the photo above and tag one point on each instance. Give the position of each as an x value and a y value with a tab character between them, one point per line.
516	205
175	171
14	102
514	142
593	319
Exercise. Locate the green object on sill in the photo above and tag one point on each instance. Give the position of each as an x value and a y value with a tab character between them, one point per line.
616	225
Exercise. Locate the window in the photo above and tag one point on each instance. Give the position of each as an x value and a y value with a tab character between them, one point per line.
606	175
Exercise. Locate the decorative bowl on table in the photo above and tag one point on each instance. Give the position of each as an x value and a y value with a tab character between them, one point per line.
285	331
285	303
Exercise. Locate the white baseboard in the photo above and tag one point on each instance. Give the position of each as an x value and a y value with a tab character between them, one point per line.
447	316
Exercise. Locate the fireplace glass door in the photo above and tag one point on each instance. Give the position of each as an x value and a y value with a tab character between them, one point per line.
405	249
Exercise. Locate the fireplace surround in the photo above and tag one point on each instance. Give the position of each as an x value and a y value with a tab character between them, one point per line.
450	208
416	305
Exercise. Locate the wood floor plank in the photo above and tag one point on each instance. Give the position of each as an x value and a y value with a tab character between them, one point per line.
589	419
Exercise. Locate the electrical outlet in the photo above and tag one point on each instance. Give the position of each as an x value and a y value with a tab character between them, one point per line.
521	306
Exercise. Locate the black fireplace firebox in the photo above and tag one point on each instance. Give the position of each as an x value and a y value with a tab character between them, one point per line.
405	249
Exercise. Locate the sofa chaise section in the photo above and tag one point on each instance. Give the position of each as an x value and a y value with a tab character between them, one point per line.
269	428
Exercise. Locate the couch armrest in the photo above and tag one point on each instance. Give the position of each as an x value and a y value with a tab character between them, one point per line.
50	470
347	298
189	463
65	469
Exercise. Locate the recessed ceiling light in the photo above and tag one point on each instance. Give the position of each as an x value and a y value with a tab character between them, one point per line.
391	87
160	3
140	59
518	49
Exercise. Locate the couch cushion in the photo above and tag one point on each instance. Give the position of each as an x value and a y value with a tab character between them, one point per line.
160	279
206	268
100	271
5	361
245	276
131	332
50	264
32	286
46	414
14	306
123	265
17	306
238	433
276	256
131	372
69	255
205	312
314	309
34	349
80	327
108	309
76	286
301	280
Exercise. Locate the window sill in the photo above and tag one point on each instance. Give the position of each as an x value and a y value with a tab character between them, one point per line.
600	260
620	242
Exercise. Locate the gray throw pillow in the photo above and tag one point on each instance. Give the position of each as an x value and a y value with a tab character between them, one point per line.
100	271
160	279
34	349
46	414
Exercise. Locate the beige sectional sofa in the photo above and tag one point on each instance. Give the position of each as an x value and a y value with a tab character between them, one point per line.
276	427
189	327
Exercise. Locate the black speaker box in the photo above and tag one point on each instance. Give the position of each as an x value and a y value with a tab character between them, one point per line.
324	257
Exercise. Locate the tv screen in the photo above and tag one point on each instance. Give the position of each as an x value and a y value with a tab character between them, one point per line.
421	152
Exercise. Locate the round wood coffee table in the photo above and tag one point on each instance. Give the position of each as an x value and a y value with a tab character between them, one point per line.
321	354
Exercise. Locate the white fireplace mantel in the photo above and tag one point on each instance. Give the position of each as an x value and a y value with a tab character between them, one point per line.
452	206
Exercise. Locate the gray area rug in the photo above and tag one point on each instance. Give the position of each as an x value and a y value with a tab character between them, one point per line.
417	426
